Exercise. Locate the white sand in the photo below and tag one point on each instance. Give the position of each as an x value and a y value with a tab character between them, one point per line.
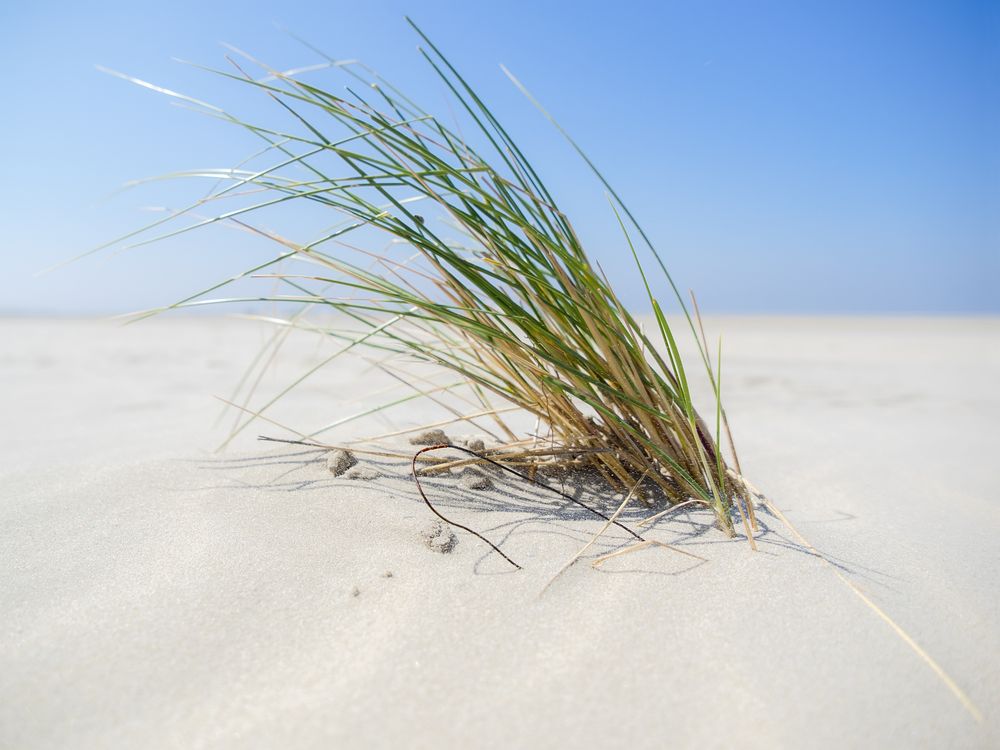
154	594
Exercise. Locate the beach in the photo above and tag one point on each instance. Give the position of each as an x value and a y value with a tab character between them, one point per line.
158	593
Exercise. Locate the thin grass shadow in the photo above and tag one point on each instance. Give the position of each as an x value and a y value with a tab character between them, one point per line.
524	509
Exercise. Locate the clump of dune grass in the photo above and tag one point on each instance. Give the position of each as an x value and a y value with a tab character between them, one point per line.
493	284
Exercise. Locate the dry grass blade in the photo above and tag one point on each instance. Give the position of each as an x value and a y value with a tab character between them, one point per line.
598	535
641	546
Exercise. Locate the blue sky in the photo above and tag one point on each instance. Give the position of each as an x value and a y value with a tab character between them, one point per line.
787	157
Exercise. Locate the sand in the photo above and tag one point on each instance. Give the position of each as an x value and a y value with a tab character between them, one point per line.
156	594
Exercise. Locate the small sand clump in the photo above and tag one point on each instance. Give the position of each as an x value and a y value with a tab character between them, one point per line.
439	538
474	479
430	437
340	461
476	445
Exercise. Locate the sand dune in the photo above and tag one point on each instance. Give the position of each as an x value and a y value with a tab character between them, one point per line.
157	594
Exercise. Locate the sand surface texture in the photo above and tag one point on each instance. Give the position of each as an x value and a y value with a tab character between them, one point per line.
157	594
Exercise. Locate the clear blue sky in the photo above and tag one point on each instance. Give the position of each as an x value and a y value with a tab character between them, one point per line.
787	157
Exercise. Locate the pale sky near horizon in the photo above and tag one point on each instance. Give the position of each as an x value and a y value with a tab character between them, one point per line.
787	157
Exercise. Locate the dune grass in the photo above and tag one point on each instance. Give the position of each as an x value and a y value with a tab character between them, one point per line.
493	283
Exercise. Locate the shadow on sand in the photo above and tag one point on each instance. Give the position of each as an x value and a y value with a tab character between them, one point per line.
516	509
